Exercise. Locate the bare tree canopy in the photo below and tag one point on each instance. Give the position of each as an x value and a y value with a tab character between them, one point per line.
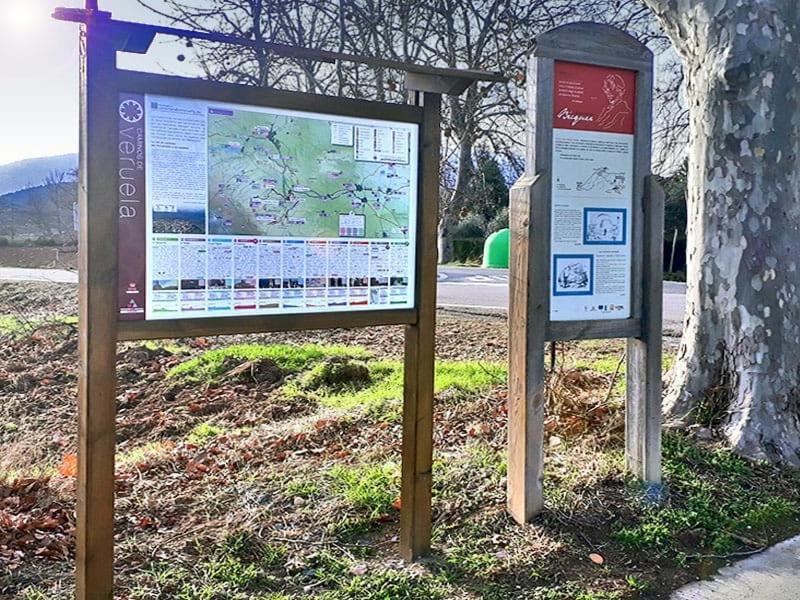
494	35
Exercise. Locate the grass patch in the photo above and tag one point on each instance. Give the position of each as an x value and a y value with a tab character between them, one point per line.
203	432
303	488
337	374
377	381
143	454
390	585
718	501
386	377
15	326
212	364
370	487
486	458
350	528
164	345
240	566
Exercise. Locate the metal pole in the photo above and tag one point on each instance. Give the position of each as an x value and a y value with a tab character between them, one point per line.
672	255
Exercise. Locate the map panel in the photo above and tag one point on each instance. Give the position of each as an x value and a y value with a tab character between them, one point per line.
278	175
260	211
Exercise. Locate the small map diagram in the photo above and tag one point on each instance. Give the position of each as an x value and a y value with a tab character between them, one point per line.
278	175
603	179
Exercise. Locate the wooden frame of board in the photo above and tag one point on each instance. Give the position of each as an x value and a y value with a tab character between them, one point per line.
100	327
530	323
179	87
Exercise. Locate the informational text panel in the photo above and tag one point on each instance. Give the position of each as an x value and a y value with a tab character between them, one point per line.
592	194
228	209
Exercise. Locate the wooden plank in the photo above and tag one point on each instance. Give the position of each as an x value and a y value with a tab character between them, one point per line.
315	54
595	44
591	58
438	84
184	87
417	450
527	311
178	328
97	319
641	170
529	301
593	330
643	403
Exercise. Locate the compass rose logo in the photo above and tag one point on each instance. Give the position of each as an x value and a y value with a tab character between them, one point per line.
131	111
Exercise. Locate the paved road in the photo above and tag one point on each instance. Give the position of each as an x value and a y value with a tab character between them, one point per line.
459	287
771	575
45	275
472	287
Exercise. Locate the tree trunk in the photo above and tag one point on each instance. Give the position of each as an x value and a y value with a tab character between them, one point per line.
738	366
445	244
451	208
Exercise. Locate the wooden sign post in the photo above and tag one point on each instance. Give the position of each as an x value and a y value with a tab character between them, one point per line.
586	225
134	286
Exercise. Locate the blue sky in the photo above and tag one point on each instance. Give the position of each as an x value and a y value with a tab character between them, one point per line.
39	74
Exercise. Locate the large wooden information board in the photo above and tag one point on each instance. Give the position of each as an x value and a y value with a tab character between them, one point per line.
209	208
586	224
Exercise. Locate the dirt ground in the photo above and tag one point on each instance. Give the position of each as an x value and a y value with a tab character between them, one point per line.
267	467
39	257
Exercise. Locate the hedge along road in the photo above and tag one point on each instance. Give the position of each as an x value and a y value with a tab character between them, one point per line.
459	288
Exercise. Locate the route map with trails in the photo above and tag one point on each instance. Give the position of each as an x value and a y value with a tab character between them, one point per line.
290	176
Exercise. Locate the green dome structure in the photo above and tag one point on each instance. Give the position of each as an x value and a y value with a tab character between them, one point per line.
496	250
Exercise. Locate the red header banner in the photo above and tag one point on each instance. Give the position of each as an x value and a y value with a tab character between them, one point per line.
593	98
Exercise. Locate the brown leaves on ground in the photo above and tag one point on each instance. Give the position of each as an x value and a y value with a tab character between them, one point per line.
32	523
579	402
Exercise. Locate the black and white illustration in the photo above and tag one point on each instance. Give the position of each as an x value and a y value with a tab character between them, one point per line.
573	274
604	226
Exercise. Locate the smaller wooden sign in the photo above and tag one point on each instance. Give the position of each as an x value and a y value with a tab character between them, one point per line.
586	224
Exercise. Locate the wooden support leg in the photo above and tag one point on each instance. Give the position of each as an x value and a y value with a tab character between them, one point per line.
526	318
97	320
415	514
643	402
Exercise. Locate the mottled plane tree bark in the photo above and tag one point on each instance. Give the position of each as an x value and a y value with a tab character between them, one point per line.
739	361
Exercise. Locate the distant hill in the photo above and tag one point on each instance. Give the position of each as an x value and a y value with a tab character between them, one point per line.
32	172
36	213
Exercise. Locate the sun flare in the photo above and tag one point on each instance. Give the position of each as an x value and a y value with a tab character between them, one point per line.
19	15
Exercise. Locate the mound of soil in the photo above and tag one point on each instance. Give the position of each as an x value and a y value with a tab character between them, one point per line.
138	361
262	371
337	373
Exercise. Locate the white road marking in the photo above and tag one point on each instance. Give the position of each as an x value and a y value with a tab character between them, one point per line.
478	306
473	283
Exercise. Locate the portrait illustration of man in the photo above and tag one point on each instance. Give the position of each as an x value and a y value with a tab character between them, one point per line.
617	109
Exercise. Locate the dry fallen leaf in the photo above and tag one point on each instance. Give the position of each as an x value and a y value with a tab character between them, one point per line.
596	558
68	466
